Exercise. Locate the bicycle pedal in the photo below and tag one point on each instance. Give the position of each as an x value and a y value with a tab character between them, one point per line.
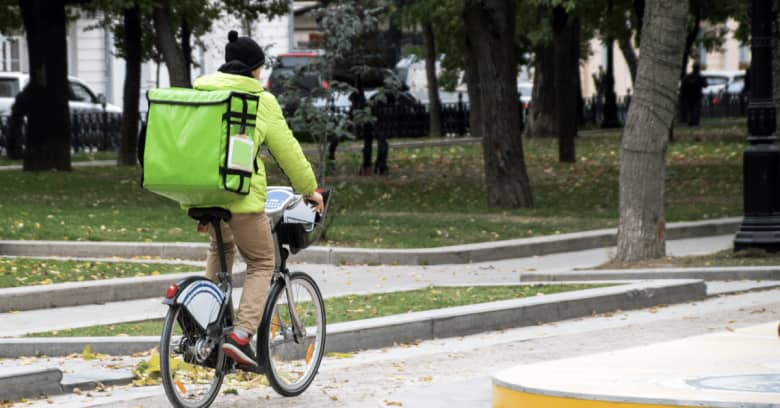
252	369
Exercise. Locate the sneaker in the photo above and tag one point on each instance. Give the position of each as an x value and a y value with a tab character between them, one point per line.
239	350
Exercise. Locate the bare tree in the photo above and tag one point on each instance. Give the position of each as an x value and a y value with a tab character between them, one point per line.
645	138
133	59
491	64
434	104
48	134
175	60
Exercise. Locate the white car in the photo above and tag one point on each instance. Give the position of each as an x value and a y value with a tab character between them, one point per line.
80	97
525	89
721	81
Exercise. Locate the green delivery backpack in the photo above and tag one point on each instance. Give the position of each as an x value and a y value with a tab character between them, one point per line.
198	146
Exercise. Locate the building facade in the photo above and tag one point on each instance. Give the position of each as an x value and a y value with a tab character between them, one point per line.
731	56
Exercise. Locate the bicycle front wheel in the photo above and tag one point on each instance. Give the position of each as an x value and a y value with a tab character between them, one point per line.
189	362
292	363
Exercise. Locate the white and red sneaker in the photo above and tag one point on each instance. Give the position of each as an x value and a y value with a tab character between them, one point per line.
239	350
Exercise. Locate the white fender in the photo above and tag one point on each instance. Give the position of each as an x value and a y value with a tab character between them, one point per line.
203	300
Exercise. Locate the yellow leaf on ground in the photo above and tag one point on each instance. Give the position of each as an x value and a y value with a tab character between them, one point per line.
339	355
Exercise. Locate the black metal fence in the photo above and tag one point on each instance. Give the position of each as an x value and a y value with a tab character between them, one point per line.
90	131
712	106
593	110
724	106
100	131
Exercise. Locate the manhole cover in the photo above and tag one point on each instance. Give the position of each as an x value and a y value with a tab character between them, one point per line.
767	383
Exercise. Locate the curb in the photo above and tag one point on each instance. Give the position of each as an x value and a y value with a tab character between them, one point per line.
30	383
449	322
94	292
457	254
705	274
466	320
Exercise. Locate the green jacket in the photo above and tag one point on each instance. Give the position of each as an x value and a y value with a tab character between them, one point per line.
272	131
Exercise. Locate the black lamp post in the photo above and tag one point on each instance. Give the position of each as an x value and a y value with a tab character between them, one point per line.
610	119
761	161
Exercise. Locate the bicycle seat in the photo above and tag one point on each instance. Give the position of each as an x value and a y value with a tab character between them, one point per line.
207	215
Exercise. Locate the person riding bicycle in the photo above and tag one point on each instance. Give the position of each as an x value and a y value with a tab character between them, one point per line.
249	229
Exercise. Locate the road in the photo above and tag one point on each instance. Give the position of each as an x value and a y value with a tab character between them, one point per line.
455	373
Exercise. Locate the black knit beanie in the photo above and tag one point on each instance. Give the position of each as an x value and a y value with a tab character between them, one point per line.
244	49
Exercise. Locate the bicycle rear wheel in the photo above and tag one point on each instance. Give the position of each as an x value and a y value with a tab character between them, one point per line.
188	362
291	365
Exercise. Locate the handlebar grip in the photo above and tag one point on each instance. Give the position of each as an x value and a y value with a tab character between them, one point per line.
325	198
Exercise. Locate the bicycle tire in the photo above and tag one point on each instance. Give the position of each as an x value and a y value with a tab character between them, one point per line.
272	335
171	385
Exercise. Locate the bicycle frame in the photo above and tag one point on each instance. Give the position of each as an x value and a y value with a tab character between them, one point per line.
281	272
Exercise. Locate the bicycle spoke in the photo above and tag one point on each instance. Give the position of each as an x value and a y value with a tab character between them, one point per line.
293	364
190	380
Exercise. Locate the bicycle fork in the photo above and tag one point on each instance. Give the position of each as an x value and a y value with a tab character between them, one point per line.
299	330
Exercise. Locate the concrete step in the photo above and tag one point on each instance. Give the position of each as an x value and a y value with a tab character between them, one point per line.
737	368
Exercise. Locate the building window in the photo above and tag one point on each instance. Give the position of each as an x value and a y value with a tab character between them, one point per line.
9	54
744	57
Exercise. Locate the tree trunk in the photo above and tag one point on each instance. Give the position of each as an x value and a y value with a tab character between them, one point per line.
492	22
691	34
566	45
186	47
775	61
629	54
642	169
166	43
474	88
434	104
48	131
133	49
540	113
639	10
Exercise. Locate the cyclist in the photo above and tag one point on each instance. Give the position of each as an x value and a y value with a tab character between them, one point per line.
249	228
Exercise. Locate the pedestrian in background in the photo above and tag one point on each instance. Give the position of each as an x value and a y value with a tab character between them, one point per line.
691	95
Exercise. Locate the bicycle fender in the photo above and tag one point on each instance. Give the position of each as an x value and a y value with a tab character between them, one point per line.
202	299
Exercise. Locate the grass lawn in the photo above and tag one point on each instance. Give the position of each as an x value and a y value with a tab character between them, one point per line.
348	308
76	157
24	272
751	257
433	196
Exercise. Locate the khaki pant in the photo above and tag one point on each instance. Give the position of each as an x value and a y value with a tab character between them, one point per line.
251	233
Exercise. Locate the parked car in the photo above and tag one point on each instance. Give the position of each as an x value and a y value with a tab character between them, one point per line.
736	87
525	89
284	68
80	97
286	65
722	81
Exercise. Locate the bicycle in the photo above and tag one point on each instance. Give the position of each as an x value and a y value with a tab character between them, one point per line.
290	341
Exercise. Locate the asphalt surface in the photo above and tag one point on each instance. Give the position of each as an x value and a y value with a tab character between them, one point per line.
455	373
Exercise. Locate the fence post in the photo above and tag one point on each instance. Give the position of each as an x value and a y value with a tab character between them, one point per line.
461	116
104	128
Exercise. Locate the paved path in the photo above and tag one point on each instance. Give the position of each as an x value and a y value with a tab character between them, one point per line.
455	373
344	280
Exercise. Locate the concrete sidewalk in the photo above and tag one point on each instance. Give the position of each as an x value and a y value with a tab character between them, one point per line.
81	309
731	369
345	279
409	327
382	332
456	254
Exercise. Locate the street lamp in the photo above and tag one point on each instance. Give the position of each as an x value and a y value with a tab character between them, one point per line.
761	160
